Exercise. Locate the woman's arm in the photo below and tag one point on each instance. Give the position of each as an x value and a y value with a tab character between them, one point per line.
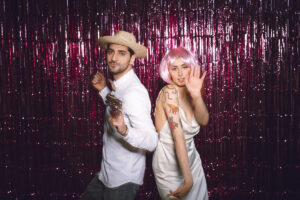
200	110
194	85
170	104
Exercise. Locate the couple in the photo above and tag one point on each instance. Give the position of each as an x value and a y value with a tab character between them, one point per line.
129	132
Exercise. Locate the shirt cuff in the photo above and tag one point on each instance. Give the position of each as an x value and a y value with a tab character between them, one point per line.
128	133
104	92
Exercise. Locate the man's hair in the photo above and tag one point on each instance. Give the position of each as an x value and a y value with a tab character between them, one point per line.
131	52
180	52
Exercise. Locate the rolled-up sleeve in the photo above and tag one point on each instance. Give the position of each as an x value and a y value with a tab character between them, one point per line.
137	111
103	93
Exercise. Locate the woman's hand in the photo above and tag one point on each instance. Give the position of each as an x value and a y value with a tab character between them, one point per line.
194	82
182	190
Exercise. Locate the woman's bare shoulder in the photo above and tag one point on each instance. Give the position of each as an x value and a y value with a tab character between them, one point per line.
168	92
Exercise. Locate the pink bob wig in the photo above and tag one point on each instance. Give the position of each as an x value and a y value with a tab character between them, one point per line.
180	52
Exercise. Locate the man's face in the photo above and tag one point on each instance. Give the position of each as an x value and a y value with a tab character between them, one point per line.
118	58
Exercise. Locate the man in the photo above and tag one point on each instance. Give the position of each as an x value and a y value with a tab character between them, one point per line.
129	133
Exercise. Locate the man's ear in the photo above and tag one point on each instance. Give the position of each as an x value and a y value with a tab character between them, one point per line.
132	59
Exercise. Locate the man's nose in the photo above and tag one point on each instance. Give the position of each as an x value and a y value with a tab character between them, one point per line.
114	57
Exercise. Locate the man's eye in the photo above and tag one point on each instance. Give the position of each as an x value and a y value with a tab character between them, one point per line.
123	53
109	51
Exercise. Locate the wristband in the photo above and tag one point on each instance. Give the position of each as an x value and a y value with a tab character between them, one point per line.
124	133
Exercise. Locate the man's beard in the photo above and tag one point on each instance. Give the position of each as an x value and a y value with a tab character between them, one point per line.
120	68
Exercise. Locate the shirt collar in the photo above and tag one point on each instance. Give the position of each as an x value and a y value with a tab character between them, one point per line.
125	78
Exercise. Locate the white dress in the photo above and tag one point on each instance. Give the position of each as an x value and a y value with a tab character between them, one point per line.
166	167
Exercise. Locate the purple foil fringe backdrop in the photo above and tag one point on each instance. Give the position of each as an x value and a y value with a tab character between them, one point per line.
51	119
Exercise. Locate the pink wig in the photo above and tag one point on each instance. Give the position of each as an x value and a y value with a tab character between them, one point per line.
180	52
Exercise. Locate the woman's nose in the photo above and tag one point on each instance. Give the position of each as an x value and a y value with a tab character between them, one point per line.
180	73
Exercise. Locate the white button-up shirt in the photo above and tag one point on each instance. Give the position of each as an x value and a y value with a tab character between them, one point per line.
123	158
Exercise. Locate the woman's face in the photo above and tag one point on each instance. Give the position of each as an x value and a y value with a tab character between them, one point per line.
179	71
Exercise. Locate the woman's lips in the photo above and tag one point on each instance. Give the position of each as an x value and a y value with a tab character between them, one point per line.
181	80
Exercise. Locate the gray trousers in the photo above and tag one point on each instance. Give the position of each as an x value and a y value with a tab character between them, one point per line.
96	190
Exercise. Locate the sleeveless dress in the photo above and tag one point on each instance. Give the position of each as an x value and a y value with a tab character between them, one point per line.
166	167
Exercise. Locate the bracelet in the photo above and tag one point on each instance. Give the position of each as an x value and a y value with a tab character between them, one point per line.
124	132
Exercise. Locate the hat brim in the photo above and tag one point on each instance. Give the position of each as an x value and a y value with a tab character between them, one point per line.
140	51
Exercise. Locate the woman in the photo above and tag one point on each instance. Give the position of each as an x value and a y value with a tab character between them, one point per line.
179	111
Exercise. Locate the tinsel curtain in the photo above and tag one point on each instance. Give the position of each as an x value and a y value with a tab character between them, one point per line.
51	120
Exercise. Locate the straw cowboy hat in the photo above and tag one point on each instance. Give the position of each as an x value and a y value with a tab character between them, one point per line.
126	39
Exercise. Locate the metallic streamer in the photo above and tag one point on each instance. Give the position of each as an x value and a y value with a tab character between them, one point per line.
51	119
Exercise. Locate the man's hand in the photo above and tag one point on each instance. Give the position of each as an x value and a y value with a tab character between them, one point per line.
98	81
117	120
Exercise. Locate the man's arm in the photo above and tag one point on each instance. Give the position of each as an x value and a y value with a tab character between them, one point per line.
99	83
138	129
